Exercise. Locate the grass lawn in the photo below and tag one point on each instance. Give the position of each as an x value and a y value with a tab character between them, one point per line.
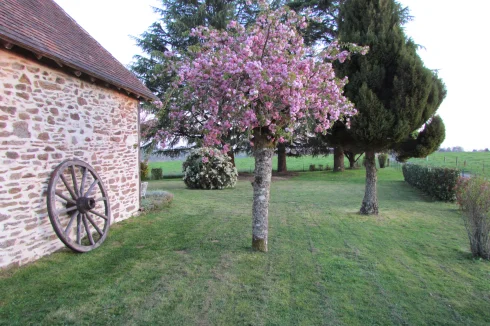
191	263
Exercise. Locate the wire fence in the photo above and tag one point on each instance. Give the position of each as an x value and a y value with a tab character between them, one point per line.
469	164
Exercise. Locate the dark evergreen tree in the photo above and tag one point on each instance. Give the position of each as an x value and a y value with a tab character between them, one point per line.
322	28
392	90
424	143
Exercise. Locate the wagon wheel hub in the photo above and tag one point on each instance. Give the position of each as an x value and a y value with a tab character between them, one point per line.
85	204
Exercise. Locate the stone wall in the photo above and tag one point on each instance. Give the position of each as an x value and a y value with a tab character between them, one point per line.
46	117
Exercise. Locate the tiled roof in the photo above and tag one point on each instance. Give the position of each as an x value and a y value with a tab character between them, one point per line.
43	27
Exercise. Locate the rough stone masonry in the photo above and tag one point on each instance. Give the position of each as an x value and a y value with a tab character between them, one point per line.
46	117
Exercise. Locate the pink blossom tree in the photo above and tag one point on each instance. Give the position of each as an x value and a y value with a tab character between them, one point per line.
262	81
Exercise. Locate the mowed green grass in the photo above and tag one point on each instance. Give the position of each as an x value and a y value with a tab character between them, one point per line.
246	164
476	163
191	263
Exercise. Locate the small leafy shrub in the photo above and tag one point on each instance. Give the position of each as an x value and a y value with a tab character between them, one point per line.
144	170
156	199
382	159
439	183
312	167
473	197
157	174
327	167
320	167
207	168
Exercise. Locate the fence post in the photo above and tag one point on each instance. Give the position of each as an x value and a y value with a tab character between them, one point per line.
456	161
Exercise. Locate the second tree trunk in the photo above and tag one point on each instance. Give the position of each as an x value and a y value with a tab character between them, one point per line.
281	158
370	201
263	152
338	159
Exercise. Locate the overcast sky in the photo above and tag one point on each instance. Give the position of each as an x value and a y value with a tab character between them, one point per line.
454	35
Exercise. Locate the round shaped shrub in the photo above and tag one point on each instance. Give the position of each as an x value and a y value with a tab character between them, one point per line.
207	168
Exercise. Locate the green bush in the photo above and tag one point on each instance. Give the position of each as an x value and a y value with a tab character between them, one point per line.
156	199
439	183
312	167
157	174
144	170
473	196
382	159
207	168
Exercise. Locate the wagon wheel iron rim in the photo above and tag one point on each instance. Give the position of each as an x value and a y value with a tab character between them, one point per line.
78	206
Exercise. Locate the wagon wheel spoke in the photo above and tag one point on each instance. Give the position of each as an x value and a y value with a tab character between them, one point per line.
74	179
93	224
98	214
66	210
72	193
84	178
89	191
72	218
86	202
79	229
68	200
89	234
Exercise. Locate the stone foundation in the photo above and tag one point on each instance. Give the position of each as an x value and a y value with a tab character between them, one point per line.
46	117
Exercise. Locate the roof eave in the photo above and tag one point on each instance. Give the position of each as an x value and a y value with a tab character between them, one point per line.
8	40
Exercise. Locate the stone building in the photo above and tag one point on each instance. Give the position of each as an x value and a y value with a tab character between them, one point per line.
62	96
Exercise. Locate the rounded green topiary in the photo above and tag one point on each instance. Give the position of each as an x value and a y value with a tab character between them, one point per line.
208	168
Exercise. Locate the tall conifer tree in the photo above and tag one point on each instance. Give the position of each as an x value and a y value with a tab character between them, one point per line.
390	86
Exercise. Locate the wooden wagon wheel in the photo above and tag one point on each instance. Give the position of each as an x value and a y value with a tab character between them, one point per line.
78	206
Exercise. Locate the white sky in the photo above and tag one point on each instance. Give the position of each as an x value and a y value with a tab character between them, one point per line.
454	34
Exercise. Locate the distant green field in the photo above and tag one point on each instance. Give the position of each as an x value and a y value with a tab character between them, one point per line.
476	163
246	164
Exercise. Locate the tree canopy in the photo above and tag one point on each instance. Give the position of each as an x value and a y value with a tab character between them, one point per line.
259	79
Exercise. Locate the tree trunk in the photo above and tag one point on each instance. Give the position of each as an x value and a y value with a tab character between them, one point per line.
281	158
231	155
370	201
352	163
352	159
263	152
338	159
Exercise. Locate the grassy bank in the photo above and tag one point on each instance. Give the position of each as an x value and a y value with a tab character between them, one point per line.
191	264
475	163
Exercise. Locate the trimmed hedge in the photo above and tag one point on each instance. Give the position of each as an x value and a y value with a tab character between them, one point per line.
157	174
144	170
382	159
439	183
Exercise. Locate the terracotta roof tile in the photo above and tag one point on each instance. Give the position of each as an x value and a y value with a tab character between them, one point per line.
45	28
